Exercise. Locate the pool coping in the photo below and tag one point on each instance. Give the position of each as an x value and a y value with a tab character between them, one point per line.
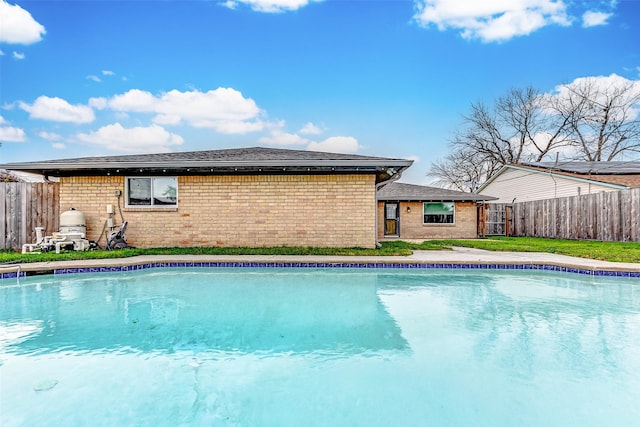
459	258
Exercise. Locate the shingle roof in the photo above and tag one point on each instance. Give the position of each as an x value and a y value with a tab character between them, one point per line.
591	168
247	160
409	192
625	174
248	155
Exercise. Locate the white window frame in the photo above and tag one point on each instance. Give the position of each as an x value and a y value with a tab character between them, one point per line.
151	205
453	211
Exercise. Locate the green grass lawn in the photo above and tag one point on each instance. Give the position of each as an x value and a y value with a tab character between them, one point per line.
607	251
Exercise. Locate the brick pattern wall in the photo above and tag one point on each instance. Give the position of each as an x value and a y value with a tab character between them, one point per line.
90	195
238	211
412	227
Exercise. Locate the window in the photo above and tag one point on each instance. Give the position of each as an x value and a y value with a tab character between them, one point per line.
439	213
392	211
152	191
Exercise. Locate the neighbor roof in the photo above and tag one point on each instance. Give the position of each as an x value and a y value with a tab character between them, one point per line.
408	192
591	168
621	174
240	160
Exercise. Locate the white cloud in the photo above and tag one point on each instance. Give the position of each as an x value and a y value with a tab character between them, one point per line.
1	52
18	26
489	21
135	100
336	144
311	129
269	6
98	103
279	137
49	136
18	55
234	127
108	73
12	134
58	145
225	110
58	110
602	83
230	4
94	78
593	19
602	88
115	137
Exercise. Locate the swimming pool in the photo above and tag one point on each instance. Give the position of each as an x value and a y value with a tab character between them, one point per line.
320	347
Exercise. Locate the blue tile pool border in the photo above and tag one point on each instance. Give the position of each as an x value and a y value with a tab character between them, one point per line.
352	265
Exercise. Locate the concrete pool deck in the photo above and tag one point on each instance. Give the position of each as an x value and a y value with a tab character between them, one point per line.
455	257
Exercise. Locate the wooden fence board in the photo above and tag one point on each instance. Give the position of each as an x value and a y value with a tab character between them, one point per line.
3	212
607	216
25	206
634	215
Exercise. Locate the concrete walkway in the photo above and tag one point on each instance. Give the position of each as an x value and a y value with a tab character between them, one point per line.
455	256
479	256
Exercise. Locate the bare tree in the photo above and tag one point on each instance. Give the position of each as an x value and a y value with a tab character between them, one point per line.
463	170
518	128
603	117
594	119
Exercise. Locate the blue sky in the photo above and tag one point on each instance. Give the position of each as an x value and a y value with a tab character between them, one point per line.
382	78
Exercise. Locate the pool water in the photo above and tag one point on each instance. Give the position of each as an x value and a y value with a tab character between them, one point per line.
320	347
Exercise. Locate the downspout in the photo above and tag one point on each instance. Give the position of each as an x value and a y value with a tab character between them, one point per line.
555	185
396	176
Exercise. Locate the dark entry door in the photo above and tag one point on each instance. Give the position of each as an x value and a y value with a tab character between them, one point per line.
391	219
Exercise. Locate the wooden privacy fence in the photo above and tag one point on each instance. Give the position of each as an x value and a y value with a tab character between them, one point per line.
25	206
607	216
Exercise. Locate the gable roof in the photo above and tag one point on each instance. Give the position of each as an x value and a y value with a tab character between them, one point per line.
420	193
619	175
239	160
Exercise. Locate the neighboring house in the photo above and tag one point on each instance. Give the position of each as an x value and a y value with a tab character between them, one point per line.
7	176
13	176
233	198
549	180
407	211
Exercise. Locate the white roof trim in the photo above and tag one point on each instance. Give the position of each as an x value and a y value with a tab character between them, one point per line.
550	173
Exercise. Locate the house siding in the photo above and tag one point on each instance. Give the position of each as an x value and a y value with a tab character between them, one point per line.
238	211
412	227
527	185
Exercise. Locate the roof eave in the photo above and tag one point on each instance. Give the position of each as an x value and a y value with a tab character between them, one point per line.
384	169
436	199
202	163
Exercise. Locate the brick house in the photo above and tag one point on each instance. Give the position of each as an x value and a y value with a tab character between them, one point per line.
407	211
248	197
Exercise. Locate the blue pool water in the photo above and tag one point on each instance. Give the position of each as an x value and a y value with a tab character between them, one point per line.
320	347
